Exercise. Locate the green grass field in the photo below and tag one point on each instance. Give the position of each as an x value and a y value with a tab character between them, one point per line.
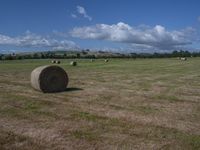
122	104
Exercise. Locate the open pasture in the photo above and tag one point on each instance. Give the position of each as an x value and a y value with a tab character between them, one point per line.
120	104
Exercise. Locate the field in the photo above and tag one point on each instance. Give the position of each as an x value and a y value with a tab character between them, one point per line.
122	104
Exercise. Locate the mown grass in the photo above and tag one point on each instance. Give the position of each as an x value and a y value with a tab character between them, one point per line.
10	140
122	104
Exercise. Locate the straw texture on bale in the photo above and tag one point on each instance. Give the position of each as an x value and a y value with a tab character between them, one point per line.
49	79
73	63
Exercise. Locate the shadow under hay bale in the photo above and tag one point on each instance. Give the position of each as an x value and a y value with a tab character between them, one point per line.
73	63
49	79
73	89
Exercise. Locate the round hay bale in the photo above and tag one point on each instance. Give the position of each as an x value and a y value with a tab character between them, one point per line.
73	63
49	79
183	58
53	61
106	60
92	60
57	62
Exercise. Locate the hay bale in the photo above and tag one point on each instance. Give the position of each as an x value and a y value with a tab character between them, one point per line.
106	60
49	79
57	62
183	58
92	60
73	63
53	61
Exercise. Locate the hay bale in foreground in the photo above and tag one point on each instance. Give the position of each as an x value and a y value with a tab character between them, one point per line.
73	63
49	79
106	60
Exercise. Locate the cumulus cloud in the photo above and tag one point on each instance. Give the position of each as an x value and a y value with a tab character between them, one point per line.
36	41
81	10
149	37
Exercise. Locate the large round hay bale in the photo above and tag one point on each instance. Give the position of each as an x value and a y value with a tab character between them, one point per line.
73	63
106	60
49	79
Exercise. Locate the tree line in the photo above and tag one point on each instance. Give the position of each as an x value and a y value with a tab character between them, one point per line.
87	54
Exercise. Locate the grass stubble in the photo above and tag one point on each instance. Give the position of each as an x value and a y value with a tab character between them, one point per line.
122	104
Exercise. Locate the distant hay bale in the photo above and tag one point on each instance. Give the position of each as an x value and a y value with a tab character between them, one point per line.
73	63
49	79
183	58
53	61
92	60
106	60
57	62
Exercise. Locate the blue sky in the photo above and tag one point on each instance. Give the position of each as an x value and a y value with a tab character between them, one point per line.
117	25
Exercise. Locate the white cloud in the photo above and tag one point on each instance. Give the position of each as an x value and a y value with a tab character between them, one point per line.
81	10
6	40
153	37
73	15
37	41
